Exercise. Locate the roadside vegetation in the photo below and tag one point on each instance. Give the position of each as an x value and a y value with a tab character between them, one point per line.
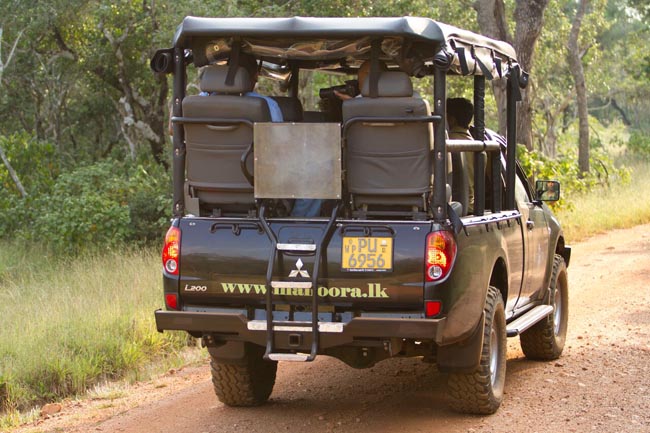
85	180
599	210
69	324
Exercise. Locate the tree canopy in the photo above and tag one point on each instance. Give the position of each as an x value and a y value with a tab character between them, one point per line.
76	90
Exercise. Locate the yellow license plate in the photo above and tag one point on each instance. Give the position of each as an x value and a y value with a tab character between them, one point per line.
367	254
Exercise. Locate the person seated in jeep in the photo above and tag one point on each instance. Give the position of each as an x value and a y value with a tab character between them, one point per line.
362	75
459	115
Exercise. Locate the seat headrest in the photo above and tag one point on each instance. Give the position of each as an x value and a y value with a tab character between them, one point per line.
214	80
390	84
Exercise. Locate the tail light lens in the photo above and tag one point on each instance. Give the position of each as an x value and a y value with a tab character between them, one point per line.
172	250
440	255
432	308
171	300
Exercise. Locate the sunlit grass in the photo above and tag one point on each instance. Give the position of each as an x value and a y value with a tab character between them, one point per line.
68	324
603	209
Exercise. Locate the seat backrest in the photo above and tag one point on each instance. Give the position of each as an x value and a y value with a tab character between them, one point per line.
291	108
388	163
214	152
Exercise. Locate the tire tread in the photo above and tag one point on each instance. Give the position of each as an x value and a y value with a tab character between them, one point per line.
472	393
539	341
246	384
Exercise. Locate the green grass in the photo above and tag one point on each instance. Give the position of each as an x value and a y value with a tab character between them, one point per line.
69	324
604	209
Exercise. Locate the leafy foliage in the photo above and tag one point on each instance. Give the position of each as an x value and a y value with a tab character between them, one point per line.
100	205
564	168
639	145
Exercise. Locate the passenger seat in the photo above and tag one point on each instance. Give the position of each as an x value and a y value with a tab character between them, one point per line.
215	151
388	165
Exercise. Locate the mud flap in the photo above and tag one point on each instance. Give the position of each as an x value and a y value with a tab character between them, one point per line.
232	352
463	357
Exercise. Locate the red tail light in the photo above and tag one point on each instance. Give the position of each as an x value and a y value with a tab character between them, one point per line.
432	308
172	301
172	250
440	255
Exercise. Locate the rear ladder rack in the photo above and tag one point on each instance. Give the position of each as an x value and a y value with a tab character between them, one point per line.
277	249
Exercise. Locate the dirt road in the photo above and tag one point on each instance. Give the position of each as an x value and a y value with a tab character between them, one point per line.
600	384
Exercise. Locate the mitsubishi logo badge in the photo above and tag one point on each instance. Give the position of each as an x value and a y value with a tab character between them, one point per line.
299	271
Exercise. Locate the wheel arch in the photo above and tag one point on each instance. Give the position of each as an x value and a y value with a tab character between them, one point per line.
499	277
562	249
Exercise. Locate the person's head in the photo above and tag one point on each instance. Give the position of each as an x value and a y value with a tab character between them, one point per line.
364	71
459	112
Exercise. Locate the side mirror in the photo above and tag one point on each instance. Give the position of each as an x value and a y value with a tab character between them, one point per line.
547	190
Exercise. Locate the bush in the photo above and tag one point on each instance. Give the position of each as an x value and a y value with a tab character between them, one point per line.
37	166
639	145
36	163
565	169
100	205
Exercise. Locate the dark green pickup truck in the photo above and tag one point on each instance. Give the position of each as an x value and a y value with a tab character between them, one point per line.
353	227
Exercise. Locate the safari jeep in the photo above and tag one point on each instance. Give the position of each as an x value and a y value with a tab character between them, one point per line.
394	263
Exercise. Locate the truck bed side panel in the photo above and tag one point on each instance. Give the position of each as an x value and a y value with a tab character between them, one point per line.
463	294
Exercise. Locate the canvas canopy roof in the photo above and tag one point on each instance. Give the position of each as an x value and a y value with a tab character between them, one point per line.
346	41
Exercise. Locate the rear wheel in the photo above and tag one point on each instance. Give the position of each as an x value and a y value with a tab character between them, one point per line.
481	391
248	383
545	340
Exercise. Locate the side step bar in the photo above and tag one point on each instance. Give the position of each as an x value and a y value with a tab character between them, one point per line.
524	322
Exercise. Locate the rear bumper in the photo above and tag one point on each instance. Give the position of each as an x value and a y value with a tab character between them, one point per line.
236	327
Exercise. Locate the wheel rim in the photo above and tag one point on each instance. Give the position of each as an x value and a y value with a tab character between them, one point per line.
494	355
557	314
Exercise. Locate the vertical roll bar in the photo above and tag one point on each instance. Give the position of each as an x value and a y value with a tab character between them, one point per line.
479	157
178	161
511	151
495	167
439	147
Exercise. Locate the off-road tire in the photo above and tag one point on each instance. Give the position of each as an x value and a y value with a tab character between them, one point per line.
481	392
248	383
544	341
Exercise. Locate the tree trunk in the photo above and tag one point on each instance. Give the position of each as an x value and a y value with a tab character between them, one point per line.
491	17
575	64
12	173
529	16
5	160
553	115
143	117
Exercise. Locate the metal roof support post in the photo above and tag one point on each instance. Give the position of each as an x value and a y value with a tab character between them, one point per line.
178	161
440	147
293	81
511	152
479	157
495	167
